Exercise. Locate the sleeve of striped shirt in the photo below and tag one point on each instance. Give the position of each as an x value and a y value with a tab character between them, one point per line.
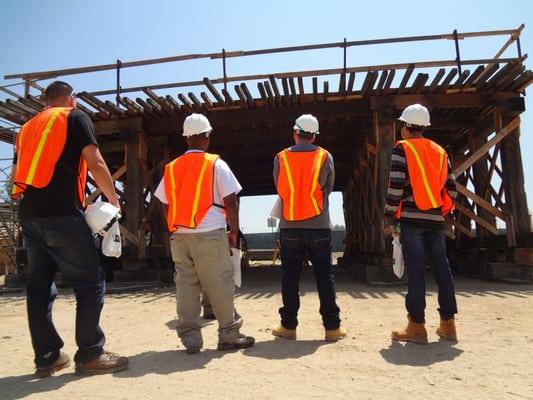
397	180
450	185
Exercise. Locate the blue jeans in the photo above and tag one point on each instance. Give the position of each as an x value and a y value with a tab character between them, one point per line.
416	244
66	244
316	244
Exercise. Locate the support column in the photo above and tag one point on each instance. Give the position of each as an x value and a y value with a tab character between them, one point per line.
513	180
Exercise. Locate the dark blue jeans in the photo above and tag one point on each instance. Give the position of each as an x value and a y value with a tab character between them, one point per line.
416	244
316	244
63	243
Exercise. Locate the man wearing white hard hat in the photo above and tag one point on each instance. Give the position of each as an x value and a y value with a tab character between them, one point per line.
54	150
420	194
198	187
304	175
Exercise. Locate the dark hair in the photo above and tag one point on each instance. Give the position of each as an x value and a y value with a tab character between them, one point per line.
414	128
57	90
304	134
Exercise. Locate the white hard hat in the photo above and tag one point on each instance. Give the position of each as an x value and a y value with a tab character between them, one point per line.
100	216
415	114
306	123
196	124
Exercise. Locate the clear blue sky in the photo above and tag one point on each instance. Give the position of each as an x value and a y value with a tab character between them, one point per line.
42	35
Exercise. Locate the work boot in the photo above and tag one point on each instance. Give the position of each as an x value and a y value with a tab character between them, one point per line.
446	330
105	363
332	335
415	332
282	332
63	361
242	342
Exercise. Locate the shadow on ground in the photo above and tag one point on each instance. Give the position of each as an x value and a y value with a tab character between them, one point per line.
417	355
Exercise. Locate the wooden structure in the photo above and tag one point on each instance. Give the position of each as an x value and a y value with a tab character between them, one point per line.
475	107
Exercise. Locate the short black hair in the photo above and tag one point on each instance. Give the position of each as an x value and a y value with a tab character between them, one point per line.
57	90
414	128
304	134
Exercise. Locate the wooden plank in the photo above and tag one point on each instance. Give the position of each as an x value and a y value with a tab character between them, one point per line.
342	83
403	84
95	103
446	82
418	84
351	82
242	97
156	107
292	87
479	153
115	109
459	207
326	90
286	95
186	103
368	83
248	95
227	96
472	78
390	78
213	90
381	82
16	105
485	75
146	107
130	105
115	176
262	92
480	201
207	101
275	89
198	104
301	90
461	79
270	93
463	229
172	101
315	88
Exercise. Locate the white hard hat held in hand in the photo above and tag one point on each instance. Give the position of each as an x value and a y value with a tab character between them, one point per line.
196	124
306	123
100	216
415	114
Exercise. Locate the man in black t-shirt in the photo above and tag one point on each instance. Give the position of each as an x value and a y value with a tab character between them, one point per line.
58	238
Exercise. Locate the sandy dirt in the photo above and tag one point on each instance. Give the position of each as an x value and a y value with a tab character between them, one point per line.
493	360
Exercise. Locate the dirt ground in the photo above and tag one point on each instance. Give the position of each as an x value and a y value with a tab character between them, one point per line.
493	360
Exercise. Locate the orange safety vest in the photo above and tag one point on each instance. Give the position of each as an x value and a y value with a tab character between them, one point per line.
298	185
427	164
189	181
39	146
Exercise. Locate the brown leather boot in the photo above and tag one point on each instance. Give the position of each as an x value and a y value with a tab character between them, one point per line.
446	330
105	363
414	332
63	361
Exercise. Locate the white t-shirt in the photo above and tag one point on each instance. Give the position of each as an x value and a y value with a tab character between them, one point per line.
225	184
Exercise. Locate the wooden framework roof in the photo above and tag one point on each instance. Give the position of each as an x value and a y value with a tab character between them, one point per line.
251	124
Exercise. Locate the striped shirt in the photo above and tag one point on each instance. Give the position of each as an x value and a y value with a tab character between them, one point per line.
400	190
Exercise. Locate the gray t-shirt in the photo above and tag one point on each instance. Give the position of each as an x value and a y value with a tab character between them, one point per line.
326	179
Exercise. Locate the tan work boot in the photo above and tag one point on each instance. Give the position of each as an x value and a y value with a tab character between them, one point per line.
415	332
333	335
63	361
105	363
282	332
446	330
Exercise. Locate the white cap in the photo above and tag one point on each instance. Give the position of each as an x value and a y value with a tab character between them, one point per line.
306	123
99	216
195	124
415	114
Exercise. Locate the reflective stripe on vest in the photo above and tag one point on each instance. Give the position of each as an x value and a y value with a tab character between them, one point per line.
427	175
189	181
297	183
39	146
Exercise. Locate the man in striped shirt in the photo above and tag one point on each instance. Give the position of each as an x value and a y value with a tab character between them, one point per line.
421	192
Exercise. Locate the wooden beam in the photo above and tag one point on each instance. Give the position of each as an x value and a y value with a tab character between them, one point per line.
502	134
213	90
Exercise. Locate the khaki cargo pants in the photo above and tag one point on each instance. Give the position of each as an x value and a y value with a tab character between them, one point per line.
202	260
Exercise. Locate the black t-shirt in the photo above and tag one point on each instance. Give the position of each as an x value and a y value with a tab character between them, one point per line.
60	197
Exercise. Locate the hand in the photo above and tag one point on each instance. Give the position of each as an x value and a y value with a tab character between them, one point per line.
115	202
390	230
232	238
